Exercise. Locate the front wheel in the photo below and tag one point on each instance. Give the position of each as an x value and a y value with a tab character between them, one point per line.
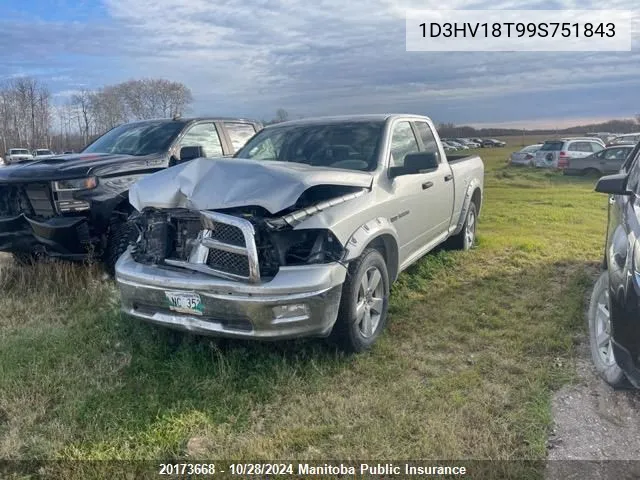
600	336
364	304
121	234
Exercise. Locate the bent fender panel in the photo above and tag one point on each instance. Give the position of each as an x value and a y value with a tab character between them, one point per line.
465	206
366	234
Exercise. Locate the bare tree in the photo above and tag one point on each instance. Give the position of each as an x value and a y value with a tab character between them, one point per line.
27	113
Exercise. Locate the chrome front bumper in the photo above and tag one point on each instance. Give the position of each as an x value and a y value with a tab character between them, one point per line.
233	308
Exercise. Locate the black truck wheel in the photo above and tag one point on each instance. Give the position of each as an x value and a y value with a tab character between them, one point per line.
364	304
600	336
25	259
121	235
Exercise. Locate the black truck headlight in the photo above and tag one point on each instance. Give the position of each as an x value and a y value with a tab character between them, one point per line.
64	190
76	184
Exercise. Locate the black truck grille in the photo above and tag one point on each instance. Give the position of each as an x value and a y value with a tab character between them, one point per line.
39	195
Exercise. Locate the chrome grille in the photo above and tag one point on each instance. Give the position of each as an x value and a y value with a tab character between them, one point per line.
225	247
234	263
226	233
40	199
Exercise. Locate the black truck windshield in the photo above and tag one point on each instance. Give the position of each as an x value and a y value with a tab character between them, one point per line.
144	138
348	145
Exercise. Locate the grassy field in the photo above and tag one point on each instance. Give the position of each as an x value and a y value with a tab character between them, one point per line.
477	343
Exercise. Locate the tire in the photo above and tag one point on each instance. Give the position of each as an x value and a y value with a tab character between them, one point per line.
591	172
467	236
600	335
351	332
25	259
121	234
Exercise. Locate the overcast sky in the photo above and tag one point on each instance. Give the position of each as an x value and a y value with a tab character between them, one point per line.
250	57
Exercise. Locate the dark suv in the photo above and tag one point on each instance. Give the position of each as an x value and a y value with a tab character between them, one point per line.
614	310
73	206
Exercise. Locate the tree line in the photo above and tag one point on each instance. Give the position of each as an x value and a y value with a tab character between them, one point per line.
450	130
29	119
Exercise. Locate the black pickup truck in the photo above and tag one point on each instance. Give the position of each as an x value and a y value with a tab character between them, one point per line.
76	206
614	311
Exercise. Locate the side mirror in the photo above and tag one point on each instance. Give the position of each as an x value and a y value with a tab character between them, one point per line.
613	185
414	163
189	153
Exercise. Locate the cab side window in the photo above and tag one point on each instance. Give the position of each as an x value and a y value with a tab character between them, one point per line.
403	142
206	136
633	183
426	135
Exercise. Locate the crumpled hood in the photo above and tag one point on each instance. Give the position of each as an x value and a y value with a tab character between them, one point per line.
210	184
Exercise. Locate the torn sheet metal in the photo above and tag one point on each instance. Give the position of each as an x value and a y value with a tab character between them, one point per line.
209	184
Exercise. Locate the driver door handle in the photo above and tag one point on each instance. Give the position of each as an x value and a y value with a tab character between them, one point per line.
448	177
426	185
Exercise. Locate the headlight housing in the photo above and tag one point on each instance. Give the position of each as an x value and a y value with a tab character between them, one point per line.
120	183
75	184
64	190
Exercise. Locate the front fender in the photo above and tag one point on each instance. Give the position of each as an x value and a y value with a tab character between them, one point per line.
378	228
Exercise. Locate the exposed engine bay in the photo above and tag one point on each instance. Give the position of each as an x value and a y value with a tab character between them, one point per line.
172	236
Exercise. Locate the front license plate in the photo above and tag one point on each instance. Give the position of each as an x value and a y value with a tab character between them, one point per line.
184	302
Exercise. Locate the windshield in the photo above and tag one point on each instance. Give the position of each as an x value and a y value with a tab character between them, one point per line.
142	138
19	151
552	146
348	145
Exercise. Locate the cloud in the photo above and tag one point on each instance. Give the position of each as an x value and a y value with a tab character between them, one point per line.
249	57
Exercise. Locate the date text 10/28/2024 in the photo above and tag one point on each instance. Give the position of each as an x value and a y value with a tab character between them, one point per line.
388	469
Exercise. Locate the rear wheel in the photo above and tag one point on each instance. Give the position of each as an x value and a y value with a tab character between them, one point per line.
364	304
600	335
467	236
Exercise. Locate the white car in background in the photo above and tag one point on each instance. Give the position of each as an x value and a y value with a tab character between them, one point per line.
41	153
17	155
558	153
526	156
626	139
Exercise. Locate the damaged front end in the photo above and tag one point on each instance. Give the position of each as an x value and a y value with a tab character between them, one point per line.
246	244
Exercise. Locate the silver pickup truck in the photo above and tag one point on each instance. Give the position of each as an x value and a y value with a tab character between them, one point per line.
302	233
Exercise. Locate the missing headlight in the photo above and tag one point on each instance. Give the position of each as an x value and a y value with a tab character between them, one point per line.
304	247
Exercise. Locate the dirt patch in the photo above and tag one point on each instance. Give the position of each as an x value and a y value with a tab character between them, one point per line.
594	422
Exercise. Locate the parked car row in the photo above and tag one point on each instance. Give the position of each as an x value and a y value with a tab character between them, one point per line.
220	227
17	155
574	156
470	143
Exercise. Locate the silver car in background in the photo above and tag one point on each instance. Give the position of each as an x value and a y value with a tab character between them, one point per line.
607	161
558	153
526	156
